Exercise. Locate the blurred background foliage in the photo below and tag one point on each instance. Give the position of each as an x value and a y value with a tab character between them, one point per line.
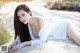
73	0
3	1
6	1
5	36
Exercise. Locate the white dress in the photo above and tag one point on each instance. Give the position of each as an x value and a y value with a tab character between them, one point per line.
50	31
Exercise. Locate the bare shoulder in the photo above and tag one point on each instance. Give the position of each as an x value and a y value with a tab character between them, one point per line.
38	18
41	21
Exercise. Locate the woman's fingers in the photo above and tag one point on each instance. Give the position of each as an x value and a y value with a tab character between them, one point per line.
15	48
10	46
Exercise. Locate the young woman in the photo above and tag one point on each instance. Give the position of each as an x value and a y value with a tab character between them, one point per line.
33	30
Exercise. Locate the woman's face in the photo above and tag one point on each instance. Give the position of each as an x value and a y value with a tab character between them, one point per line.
23	16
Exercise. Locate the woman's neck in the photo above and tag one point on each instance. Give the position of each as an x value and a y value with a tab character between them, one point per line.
31	20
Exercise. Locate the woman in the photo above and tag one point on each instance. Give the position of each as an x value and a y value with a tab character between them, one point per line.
33	30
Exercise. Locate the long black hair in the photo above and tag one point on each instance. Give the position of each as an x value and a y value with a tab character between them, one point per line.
21	30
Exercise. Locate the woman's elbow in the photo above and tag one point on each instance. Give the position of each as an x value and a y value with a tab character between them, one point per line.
76	39
44	40
78	42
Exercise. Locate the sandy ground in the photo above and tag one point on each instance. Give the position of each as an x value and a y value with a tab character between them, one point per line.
51	47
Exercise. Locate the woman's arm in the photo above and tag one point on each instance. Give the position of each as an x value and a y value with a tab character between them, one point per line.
12	45
27	43
73	33
42	38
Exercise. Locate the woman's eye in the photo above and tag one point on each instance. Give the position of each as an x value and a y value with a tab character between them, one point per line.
22	14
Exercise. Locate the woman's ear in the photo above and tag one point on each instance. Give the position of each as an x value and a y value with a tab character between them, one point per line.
30	13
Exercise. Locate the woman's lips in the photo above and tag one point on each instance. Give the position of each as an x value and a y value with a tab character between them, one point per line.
23	21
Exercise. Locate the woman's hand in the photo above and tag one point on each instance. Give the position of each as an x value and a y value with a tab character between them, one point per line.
12	45
17	47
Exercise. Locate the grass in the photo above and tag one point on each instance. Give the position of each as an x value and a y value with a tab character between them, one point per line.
5	1
73	0
70	5
1	3
14	0
5	36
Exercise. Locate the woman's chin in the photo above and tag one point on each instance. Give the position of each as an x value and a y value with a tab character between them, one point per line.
25	23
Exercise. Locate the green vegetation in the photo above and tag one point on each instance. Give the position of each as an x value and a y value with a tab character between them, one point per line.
1	3
69	5
4	36
73	0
